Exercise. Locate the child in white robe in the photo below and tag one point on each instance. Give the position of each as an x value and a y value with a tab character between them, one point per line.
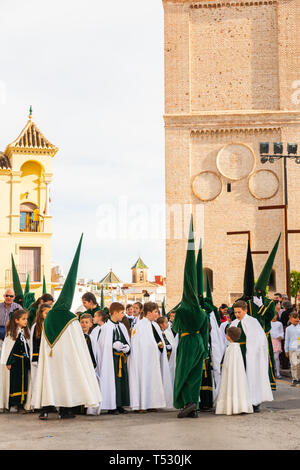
234	395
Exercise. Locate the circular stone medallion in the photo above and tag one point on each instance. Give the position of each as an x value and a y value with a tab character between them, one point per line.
235	161
207	185
263	184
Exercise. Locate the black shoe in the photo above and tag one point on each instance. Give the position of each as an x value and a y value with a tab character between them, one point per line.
193	414
256	408
43	415
122	411
294	383
66	416
113	412
187	410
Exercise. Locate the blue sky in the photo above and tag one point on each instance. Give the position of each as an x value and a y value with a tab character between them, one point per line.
93	73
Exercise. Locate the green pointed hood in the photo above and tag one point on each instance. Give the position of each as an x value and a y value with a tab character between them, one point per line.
59	317
102	303
200	271
19	296
29	299
44	285
27	287
208	297
248	275
163	308
188	315
263	280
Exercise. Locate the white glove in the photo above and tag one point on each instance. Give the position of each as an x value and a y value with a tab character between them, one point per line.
117	345
258	301
126	348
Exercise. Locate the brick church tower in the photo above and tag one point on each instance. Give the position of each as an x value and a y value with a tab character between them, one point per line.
232	80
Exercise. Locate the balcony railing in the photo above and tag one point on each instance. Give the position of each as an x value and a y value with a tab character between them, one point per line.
27	224
35	275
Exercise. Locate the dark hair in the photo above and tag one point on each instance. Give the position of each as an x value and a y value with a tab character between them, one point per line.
234	333
89	297
140	305
149	307
86	315
128	306
45	298
126	322
223	306
102	314
277	293
161	320
116	307
240	304
294	314
39	320
11	326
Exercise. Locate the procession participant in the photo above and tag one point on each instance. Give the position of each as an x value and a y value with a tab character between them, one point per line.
146	379
35	341
263	309
90	303
137	311
114	348
163	324
86	323
65	377
191	323
217	345
173	339
32	311
19	294
234	395
129	313
15	362
254	348
207	385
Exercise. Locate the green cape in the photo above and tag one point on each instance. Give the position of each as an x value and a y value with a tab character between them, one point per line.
59	317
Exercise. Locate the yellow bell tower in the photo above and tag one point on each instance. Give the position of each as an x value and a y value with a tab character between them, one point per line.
26	232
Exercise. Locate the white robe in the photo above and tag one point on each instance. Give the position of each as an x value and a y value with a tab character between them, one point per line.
7	346
165	370
234	395
67	378
174	343
217	352
105	367
257	360
145	377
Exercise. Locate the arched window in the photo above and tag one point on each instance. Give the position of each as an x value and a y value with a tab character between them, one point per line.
209	273
26	217
272	280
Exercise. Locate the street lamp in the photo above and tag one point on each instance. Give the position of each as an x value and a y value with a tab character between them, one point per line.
278	153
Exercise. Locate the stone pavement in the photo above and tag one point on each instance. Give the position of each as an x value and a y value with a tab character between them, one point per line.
275	427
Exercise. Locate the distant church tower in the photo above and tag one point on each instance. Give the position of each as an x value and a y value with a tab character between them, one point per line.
26	232
139	271
231	80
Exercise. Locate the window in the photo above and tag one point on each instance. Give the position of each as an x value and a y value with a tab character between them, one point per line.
30	263
27	220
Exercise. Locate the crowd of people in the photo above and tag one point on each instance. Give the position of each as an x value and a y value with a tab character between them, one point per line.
139	358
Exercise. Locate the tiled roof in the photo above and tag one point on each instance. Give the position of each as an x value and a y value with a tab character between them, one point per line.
139	264
110	278
31	138
4	162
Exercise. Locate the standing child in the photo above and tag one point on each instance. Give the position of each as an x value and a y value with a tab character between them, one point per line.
86	323
234	395
277	335
292	347
15	362
114	347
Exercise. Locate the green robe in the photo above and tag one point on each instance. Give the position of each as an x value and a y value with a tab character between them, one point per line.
121	372
191	352
206	390
264	315
20	366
